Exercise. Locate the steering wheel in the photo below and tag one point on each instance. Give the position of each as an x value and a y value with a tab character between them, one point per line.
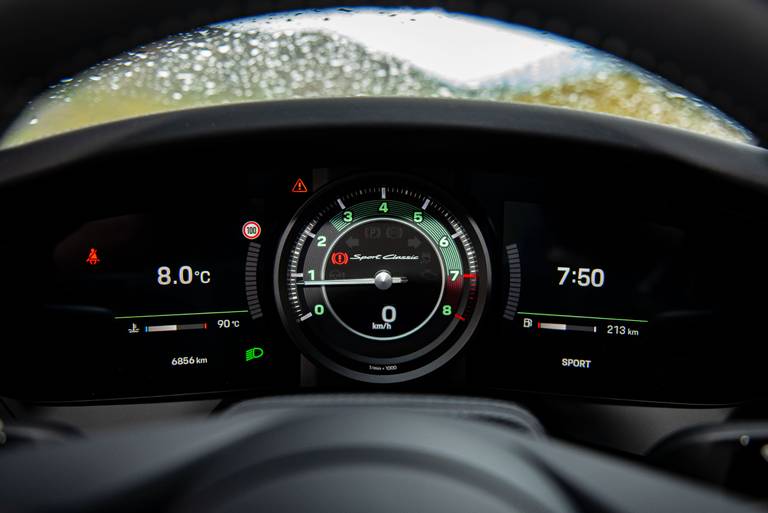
372	453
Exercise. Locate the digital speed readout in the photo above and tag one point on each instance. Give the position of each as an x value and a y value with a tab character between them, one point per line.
381	284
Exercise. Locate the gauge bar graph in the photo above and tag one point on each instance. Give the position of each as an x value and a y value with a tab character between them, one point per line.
175	327
556	326
585	324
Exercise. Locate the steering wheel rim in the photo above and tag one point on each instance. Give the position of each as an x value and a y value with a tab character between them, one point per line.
714	49
338	459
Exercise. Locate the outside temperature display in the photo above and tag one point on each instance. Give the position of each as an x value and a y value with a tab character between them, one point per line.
184	275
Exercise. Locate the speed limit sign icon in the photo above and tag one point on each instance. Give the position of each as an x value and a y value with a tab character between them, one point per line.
251	230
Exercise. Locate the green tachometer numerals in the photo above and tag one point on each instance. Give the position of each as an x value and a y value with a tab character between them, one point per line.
371	282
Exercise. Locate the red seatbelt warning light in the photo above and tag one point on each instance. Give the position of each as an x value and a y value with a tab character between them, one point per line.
93	257
299	186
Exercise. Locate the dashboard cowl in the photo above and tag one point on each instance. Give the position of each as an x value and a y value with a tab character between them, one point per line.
504	413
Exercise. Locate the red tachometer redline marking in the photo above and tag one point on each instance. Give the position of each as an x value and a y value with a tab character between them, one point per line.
469	276
459	317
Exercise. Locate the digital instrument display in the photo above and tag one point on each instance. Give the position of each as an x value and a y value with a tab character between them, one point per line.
159	303
382	280
381	284
587	278
596	302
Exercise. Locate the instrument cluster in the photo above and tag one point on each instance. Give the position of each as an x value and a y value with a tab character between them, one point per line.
345	280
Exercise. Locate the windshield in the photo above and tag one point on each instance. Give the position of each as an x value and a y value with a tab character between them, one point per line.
363	52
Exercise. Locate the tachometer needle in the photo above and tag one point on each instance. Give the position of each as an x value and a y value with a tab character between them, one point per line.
348	281
383	280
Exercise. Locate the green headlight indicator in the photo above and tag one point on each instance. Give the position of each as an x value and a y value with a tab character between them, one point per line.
253	353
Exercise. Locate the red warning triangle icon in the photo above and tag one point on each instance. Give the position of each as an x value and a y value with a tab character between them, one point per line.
299	186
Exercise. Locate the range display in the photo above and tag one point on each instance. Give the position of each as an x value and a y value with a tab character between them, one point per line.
585	277
382	283
609	305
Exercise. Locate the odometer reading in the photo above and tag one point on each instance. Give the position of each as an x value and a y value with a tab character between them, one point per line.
382	284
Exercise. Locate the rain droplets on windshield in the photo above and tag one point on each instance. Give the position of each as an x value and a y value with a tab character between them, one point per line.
362	52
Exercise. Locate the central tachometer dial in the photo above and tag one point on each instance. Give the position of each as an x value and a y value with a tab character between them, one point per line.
381	278
381	284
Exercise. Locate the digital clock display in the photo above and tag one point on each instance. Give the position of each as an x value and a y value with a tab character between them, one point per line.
585	276
608	303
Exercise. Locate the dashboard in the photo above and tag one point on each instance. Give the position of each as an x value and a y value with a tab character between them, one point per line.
287	284
461	278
